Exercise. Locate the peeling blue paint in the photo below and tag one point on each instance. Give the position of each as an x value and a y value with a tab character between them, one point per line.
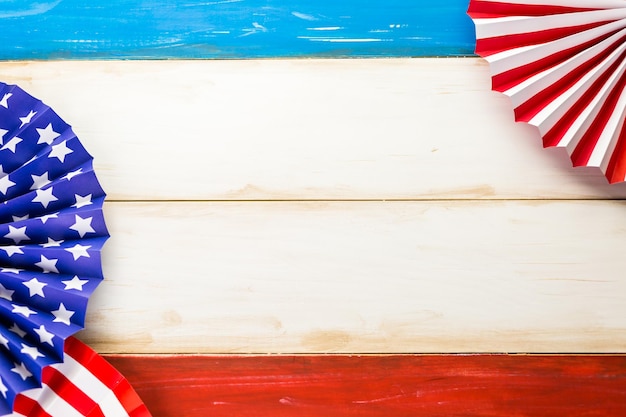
159	29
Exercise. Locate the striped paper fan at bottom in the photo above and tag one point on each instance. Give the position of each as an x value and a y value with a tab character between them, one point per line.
84	384
563	65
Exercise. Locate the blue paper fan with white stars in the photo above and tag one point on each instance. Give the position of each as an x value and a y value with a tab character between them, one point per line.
51	233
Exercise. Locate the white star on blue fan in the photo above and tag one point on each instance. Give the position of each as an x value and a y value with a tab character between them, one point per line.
26	119
3	388
82	226
51	243
5	184
40	181
82	201
45	218
5	100
47	135
21	371
12	250
31	351
15	329
75	283
44	335
60	151
48	265
44	197
72	174
35	287
23	310
62	315
79	250
11	144
5	293
17	234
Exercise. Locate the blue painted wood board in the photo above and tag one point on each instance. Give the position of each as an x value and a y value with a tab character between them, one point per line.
196	29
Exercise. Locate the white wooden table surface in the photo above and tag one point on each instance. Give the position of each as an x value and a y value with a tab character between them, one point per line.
300	206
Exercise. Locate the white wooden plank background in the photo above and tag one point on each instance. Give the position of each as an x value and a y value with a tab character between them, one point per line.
453	230
362	277
302	129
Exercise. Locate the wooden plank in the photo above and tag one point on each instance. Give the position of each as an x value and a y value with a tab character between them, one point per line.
303	129
72	29
379	277
316	386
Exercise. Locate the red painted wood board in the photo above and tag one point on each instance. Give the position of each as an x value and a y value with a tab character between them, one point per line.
373	385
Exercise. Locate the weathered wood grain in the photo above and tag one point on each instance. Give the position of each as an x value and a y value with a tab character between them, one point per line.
73	29
303	129
410	277
316	386
452	267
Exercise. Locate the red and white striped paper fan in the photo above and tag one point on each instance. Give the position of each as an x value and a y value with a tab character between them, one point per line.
563	64
83	385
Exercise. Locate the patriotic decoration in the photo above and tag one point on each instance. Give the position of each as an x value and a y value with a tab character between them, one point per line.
83	385
51	233
562	64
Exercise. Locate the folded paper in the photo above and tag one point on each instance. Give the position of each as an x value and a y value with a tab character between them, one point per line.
562	64
84	385
52	230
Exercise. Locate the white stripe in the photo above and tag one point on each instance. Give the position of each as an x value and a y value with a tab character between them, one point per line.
51	402
92	386
505	26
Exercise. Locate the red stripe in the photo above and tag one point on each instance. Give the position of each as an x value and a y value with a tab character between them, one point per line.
141	411
129	399
76	349
490	46
582	153
28	407
486	9
65	389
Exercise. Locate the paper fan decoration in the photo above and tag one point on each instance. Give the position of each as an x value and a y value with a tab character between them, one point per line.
84	385
51	233
562	64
